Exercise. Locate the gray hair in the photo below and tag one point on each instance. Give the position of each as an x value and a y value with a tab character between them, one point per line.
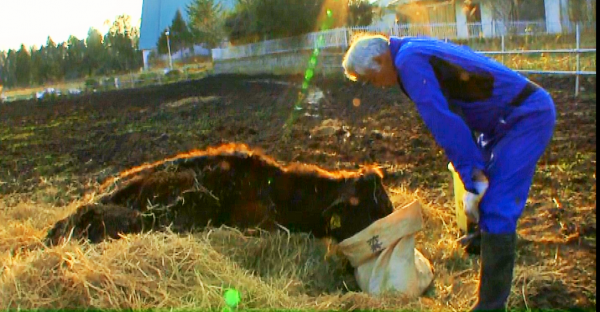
359	60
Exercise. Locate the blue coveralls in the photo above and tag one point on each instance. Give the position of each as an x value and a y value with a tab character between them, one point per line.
459	93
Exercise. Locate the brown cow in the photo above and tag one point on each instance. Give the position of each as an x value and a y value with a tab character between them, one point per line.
235	186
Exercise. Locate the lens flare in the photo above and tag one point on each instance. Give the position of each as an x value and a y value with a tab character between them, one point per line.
310	71
232	297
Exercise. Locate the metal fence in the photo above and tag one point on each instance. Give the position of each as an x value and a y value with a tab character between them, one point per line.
323	39
577	51
461	31
341	37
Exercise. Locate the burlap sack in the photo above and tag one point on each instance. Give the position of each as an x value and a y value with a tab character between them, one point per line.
384	254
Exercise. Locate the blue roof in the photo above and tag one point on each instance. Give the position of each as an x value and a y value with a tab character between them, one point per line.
157	15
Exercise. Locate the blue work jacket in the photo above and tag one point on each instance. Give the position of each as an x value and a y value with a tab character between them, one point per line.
459	94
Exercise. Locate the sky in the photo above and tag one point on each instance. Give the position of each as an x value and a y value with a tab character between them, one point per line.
31	21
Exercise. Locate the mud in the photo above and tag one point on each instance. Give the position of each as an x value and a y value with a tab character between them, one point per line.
77	143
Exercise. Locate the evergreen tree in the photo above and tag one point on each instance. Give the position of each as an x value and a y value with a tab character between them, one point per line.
271	19
180	36
94	53
360	13
121	47
206	22
52	61
37	66
74	58
23	67
9	72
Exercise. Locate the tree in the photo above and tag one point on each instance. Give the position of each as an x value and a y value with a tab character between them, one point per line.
206	22
60	61
9	71
37	65
121	45
286	18
74	59
582	10
180	36
3	69
271	19
2	66
23	67
238	24
504	11
94	53
98	54
52	61
360	13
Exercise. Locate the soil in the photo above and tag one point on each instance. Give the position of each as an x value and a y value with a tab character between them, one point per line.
89	138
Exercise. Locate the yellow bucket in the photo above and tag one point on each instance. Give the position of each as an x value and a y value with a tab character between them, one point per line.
459	193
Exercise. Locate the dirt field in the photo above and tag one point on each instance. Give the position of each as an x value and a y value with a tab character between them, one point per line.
52	154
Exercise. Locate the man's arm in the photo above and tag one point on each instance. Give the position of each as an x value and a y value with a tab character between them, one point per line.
448	129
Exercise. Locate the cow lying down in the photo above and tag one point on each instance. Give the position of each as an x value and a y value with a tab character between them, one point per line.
229	185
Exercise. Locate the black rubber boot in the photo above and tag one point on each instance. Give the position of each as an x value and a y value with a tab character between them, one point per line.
497	264
471	241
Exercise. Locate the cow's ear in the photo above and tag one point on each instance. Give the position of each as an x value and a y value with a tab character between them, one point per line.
333	215
335	221
373	174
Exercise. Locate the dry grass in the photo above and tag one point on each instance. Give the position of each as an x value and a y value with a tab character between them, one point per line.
280	271
270	270
166	270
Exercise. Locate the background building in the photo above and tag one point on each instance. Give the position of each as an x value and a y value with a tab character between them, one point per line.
479	18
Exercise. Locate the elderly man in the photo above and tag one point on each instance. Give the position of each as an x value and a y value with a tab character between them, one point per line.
493	124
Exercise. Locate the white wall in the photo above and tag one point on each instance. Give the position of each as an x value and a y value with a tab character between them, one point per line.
564	15
487	18
145	54
199	50
388	20
462	31
281	63
553	16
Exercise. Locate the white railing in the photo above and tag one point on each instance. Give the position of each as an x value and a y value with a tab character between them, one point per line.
340	37
323	39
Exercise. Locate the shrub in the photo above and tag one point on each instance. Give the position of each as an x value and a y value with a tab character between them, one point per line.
91	84
147	78
173	75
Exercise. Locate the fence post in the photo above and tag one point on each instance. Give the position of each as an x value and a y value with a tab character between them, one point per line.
502	47
577	44
346	38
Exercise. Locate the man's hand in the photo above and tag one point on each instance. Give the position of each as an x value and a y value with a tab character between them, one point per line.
471	200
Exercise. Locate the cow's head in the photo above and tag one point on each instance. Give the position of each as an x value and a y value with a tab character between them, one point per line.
96	222
361	201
